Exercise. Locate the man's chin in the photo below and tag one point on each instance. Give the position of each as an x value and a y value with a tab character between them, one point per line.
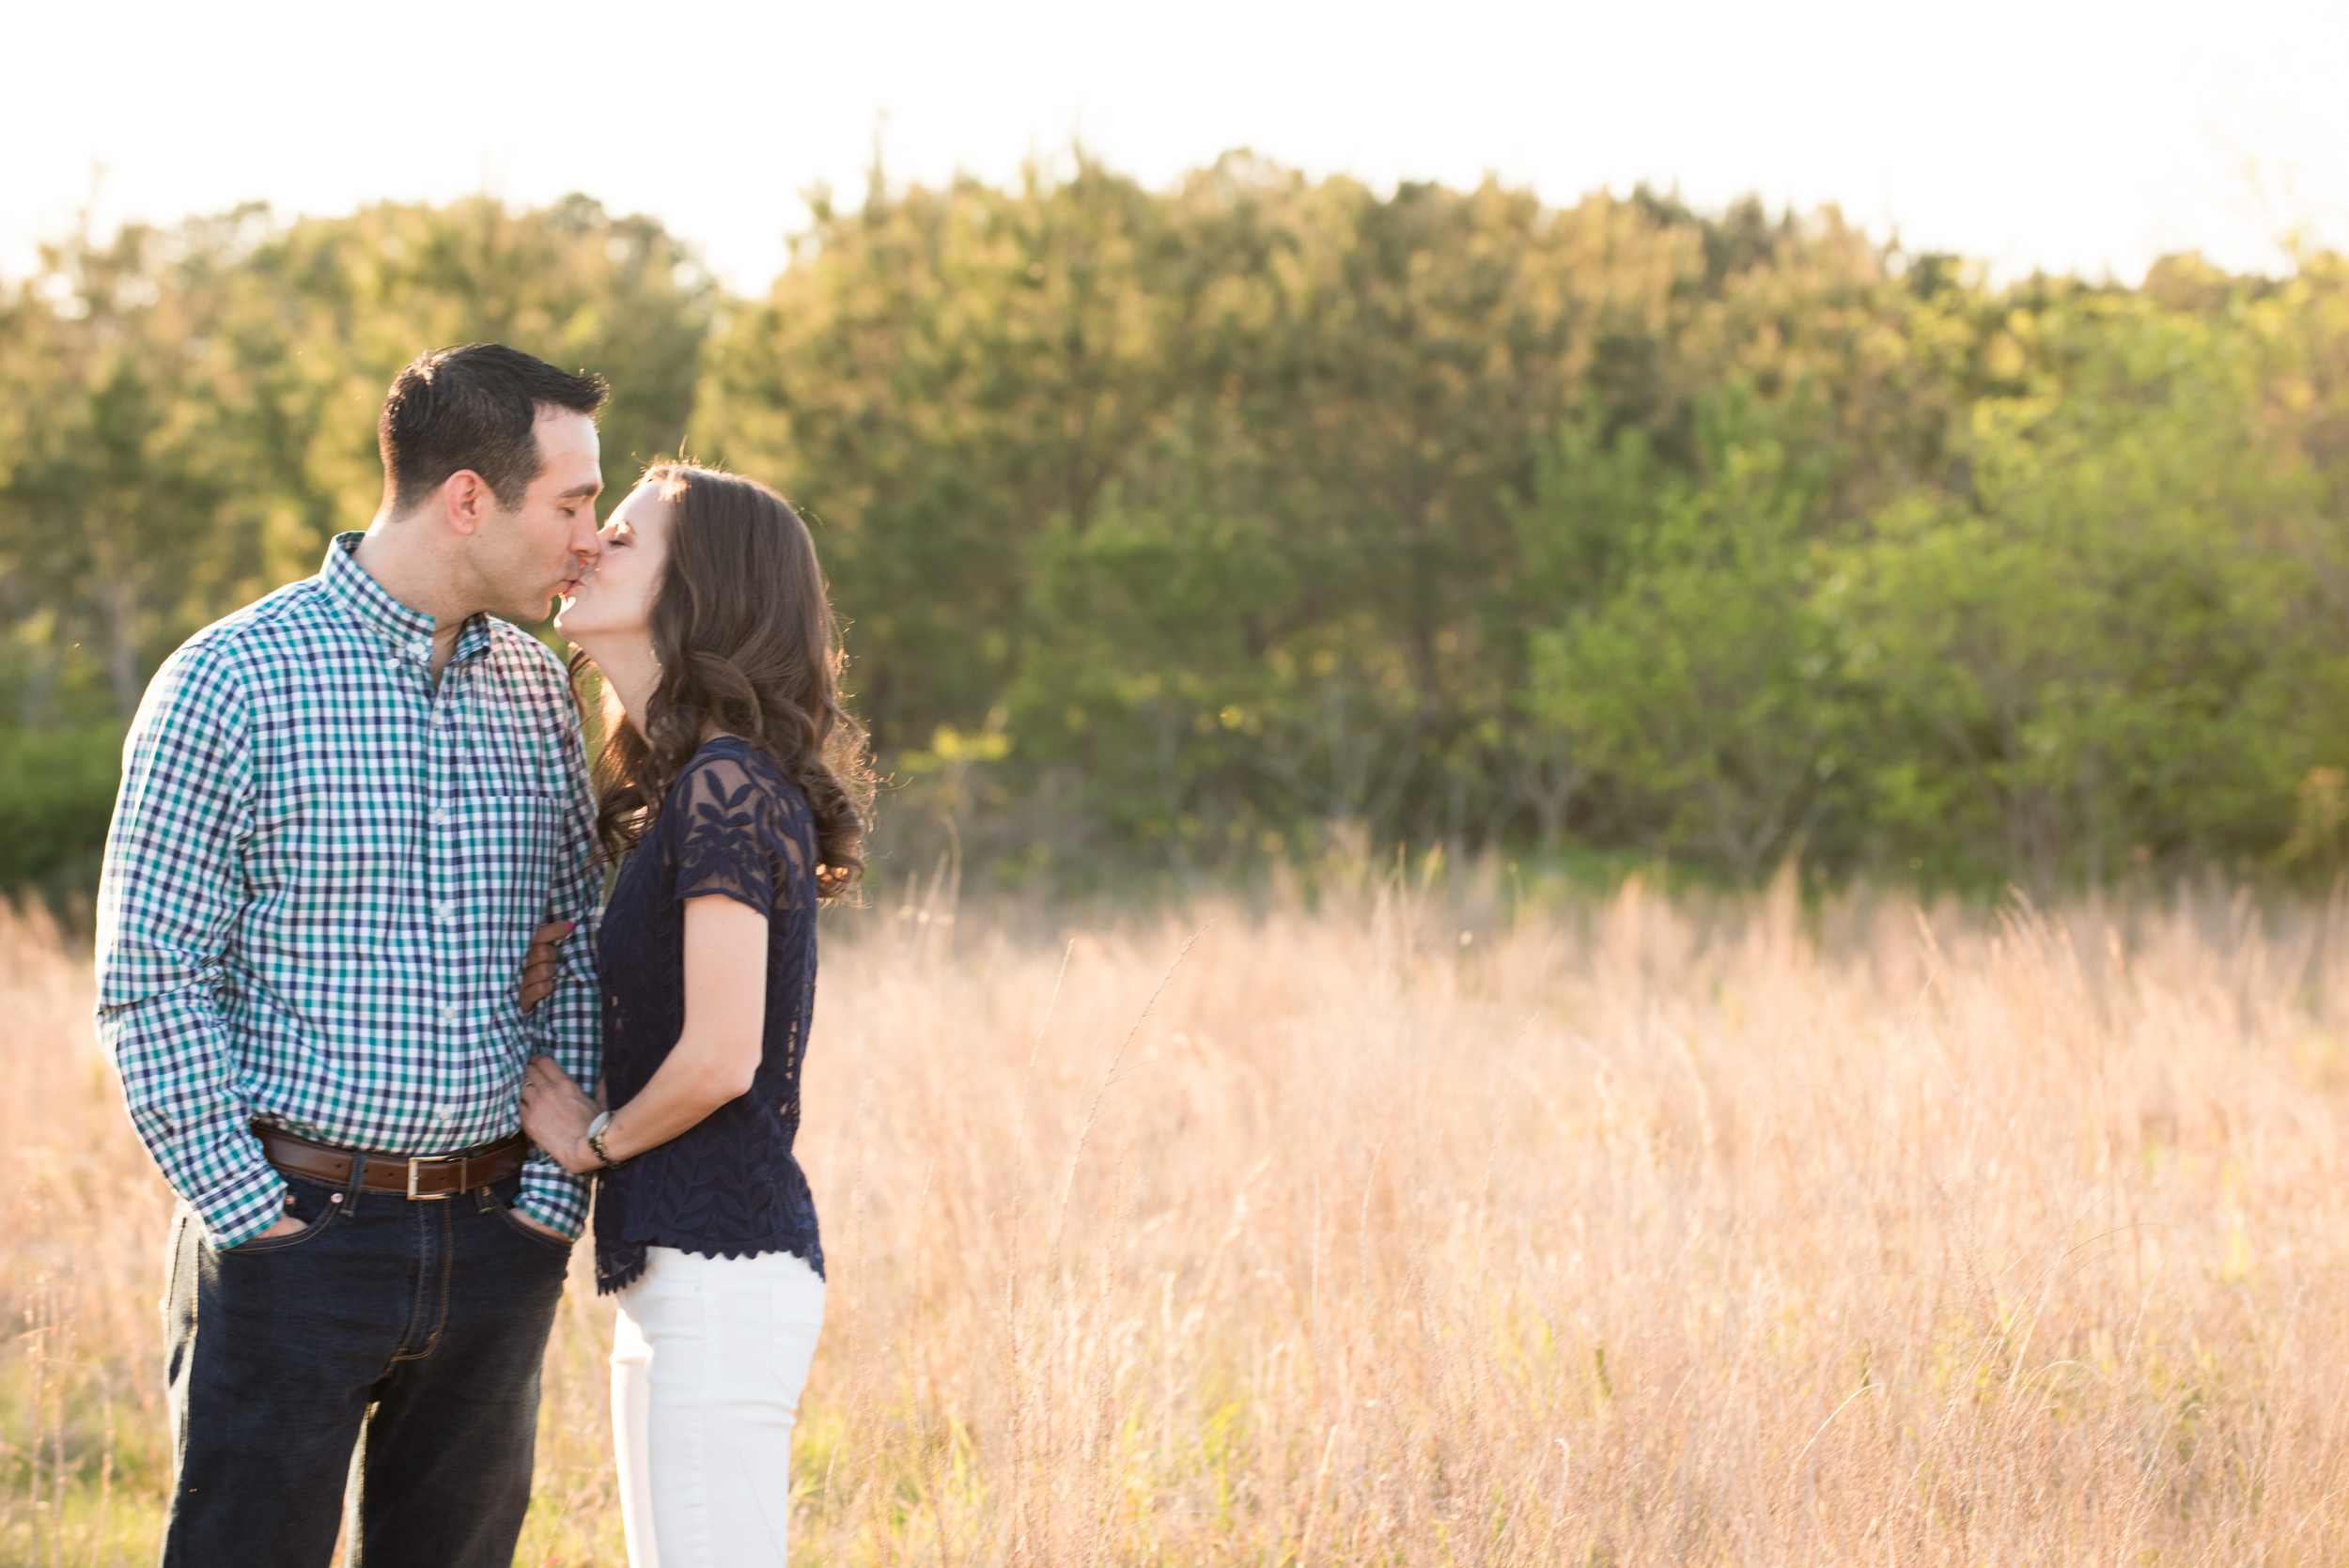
533	611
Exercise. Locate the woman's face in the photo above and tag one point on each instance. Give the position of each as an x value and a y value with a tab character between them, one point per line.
613	602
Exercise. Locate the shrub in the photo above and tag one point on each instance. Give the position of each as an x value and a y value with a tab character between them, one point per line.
57	793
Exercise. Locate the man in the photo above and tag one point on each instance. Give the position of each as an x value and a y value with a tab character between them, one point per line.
344	810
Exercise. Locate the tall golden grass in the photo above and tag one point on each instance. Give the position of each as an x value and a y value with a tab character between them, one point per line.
1411	1232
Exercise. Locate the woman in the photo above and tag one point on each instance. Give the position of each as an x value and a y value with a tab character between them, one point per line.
731	781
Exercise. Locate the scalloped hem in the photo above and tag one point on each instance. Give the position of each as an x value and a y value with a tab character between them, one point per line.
625	1265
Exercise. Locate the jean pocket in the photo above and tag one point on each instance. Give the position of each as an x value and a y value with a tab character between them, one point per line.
313	1204
504	1205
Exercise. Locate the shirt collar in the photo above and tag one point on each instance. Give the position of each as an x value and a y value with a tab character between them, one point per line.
361	598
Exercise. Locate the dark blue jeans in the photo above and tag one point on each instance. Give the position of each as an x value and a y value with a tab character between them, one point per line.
411	1332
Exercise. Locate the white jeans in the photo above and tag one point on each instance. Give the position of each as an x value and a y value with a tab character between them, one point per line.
706	1368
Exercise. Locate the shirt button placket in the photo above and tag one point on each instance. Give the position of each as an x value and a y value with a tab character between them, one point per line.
440	853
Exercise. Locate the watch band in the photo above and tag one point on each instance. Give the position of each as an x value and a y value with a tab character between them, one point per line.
594	1140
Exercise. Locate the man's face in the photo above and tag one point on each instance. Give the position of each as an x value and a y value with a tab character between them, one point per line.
536	552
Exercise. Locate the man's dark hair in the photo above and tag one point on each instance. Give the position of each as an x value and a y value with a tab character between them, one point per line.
473	406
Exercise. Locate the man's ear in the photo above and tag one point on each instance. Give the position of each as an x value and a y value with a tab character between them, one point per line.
468	501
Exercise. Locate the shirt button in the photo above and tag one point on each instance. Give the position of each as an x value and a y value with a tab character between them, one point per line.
450	1013
444	909
419	650
440	819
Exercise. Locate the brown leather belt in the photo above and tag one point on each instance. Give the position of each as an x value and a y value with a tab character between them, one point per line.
410	1175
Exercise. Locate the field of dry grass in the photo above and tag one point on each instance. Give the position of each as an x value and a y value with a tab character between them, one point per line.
1408	1231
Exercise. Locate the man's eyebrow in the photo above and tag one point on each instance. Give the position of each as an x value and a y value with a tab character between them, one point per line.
595	489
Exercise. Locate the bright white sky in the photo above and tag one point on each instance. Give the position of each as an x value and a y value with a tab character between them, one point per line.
2086	137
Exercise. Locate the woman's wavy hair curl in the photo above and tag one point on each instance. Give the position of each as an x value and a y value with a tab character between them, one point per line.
743	629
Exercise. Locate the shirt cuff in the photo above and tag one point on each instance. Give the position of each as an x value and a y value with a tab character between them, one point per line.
553	1197
242	1207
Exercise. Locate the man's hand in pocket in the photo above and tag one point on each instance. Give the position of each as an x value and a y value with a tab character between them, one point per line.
287	1226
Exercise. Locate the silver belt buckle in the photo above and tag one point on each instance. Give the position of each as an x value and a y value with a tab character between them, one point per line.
416	1160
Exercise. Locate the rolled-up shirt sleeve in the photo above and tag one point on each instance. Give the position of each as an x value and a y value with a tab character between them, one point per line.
569	1022
168	897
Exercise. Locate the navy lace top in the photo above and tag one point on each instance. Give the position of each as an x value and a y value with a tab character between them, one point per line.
732	827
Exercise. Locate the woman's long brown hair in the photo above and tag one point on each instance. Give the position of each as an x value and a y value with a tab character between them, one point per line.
743	630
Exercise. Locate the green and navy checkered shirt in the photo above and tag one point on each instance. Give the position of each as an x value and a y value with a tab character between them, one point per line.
323	872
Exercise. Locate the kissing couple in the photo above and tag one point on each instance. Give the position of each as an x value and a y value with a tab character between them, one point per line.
348	811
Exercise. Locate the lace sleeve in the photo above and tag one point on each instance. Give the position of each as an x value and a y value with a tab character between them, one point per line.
735	839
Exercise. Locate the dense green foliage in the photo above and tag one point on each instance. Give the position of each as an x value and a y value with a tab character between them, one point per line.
1256	516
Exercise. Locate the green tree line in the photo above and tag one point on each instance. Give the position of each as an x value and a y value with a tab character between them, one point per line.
1185	529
